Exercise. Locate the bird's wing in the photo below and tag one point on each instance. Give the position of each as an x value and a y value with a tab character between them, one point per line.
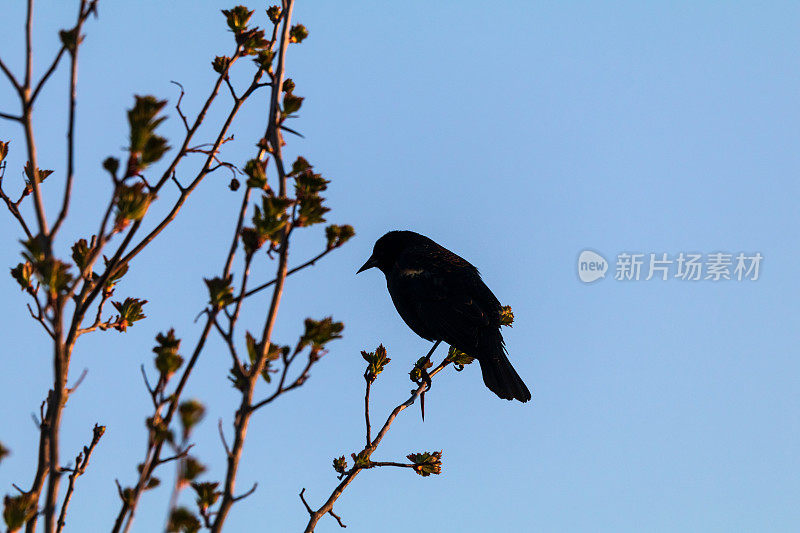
445	294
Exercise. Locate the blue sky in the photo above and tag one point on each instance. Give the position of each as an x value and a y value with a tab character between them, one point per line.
517	135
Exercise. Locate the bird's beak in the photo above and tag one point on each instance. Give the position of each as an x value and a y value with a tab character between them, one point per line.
371	262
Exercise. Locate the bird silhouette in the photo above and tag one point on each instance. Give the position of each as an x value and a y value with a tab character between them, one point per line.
441	297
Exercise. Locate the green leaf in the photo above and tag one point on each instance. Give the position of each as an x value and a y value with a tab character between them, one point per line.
311	211
34	249
69	38
297	33
111	165
376	361
256	172
191	469
159	429
119	272
23	273
300	165
191	413
220	290
291	103
307	183
274	13
271	217
132	203
145	146
182	520
167	360
264	59
338	235
458	358
426	463
237	18
130	311
17	510
207	494
361	460
506	316
252	240
252	41
220	64
254	350
340	464
319	332
40	174
238	379
80	253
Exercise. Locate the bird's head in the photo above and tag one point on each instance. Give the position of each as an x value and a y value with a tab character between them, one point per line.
389	247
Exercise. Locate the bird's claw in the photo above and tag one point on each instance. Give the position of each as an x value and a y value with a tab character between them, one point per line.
426	379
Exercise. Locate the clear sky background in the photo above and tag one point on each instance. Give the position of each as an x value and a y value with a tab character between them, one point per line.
516	134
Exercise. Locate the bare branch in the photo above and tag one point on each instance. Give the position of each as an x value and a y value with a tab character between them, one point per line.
230	87
337	517
366	412
40	317
302	378
290	130
308	263
222	438
73	94
47	74
11	77
81	462
178	108
78	381
177	456
6	116
28	47
390	463
13	207
246	494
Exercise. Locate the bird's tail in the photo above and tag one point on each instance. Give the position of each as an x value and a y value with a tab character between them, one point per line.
498	374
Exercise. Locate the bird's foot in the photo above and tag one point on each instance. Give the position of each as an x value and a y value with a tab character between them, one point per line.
426	379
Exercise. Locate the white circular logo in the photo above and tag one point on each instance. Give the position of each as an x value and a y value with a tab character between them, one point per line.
591	266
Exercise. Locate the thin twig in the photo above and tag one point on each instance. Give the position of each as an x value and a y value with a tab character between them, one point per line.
73	94
81	462
291	271
47	74
179	455
78	382
6	116
178	106
13	207
11	77
366	411
222	438
246	494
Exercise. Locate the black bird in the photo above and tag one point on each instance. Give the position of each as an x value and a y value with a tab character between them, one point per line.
441	297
